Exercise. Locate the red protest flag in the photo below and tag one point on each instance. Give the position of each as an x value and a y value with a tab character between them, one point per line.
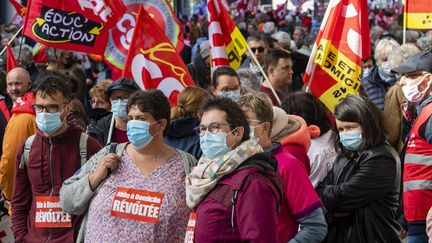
72	25
153	62
121	34
227	44
11	63
20	9
343	40
280	11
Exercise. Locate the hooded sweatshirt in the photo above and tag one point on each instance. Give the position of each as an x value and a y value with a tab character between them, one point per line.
21	125
181	135
300	204
51	161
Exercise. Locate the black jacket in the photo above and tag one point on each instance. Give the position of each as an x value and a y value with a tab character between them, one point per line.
362	196
181	135
100	130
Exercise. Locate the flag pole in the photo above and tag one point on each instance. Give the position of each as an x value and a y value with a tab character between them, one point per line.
264	74
405	21
314	50
13	38
111	128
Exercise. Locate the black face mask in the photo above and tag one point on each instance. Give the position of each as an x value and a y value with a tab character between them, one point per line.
97	113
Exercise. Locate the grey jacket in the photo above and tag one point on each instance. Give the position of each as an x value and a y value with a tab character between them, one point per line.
76	195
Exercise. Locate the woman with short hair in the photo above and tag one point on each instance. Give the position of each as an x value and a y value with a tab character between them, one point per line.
235	189
136	194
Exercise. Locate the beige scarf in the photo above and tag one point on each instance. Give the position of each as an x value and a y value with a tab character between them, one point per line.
207	173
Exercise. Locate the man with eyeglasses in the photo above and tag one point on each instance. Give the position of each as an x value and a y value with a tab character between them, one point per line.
119	92
43	163
416	85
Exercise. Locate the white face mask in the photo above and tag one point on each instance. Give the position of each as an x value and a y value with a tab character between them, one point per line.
412	93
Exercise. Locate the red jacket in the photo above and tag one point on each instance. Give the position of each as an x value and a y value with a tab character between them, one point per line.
43	176
417	197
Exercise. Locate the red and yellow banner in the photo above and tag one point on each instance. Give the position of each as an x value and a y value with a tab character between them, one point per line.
418	14
334	69
153	62
227	44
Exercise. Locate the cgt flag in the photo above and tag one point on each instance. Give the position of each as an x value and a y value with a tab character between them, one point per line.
120	36
343	41
20	9
77	25
153	62
418	14
227	44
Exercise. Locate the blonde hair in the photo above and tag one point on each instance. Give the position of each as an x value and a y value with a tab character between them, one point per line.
189	102
100	90
260	104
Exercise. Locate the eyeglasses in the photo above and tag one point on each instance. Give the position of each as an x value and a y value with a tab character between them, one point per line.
212	128
48	108
114	99
260	49
98	103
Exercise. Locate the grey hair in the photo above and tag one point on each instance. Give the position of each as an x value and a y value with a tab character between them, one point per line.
385	45
25	57
409	49
376	32
249	80
283	39
411	36
425	42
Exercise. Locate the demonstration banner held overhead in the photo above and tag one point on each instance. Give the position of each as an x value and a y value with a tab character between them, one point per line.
418	14
120	36
334	68
227	44
153	61
76	25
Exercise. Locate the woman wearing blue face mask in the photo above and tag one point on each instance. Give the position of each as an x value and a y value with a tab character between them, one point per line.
361	192
138	193
234	190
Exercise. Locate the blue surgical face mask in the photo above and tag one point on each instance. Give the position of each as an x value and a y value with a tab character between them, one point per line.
252	132
351	140
214	145
366	72
138	133
232	94
48	123
119	109
384	71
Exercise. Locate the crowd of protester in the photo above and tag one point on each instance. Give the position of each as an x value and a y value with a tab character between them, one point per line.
252	164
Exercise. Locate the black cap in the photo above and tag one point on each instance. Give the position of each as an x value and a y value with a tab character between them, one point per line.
419	61
125	84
